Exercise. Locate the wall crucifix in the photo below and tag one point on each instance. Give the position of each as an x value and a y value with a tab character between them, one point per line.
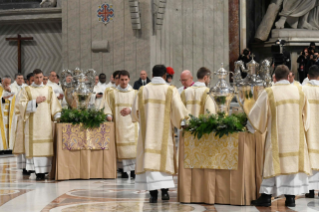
19	39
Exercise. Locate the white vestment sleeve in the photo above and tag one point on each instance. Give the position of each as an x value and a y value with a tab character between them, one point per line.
57	116
32	106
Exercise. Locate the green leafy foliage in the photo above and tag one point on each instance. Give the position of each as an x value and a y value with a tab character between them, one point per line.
89	118
219	124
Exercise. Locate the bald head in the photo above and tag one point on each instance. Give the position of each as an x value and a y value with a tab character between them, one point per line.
143	75
186	78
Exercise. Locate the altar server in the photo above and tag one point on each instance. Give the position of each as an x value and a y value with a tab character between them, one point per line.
18	84
38	107
157	108
311	90
196	98
119	101
7	113
283	112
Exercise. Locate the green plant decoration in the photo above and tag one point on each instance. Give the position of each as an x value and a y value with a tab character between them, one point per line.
219	124
89	118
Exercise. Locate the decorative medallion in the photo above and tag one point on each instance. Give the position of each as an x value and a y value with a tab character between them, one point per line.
105	13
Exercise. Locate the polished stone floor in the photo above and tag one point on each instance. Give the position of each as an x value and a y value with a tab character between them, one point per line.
18	193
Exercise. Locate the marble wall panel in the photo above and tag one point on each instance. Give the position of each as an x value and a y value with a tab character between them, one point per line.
124	42
85	35
198	36
96	35
74	35
44	52
194	34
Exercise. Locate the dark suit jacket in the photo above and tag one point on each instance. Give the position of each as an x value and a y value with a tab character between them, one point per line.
138	83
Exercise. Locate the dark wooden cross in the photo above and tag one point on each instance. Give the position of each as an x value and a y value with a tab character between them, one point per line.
19	39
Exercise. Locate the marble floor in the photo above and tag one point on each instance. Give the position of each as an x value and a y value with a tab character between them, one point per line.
19	193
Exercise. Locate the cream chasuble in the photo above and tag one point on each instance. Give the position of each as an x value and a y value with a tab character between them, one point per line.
38	120
283	111
157	108
7	119
197	100
18	129
296	83
18	136
311	90
126	132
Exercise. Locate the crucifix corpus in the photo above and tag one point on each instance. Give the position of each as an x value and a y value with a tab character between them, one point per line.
19	39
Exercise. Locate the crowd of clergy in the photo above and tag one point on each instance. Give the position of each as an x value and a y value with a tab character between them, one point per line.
147	116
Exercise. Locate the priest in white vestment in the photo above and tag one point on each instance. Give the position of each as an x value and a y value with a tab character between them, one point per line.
117	102
30	79
305	81
99	90
7	116
39	107
196	98
291	79
311	90
18	137
186	79
55	87
283	112
157	107
18	84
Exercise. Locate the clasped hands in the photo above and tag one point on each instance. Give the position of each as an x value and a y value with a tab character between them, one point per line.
40	99
123	112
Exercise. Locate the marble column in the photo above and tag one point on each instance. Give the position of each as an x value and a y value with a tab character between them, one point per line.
233	28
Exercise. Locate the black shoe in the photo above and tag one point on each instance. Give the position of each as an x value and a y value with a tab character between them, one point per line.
311	194
40	176
25	172
165	195
124	175
264	200
133	174
120	171
153	196
290	201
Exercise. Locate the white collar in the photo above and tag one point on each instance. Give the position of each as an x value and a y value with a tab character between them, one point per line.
37	86
199	84
282	82
124	89
314	82
158	80
50	82
16	84
101	84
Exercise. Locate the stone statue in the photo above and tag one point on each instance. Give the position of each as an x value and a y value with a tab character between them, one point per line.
48	3
299	14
